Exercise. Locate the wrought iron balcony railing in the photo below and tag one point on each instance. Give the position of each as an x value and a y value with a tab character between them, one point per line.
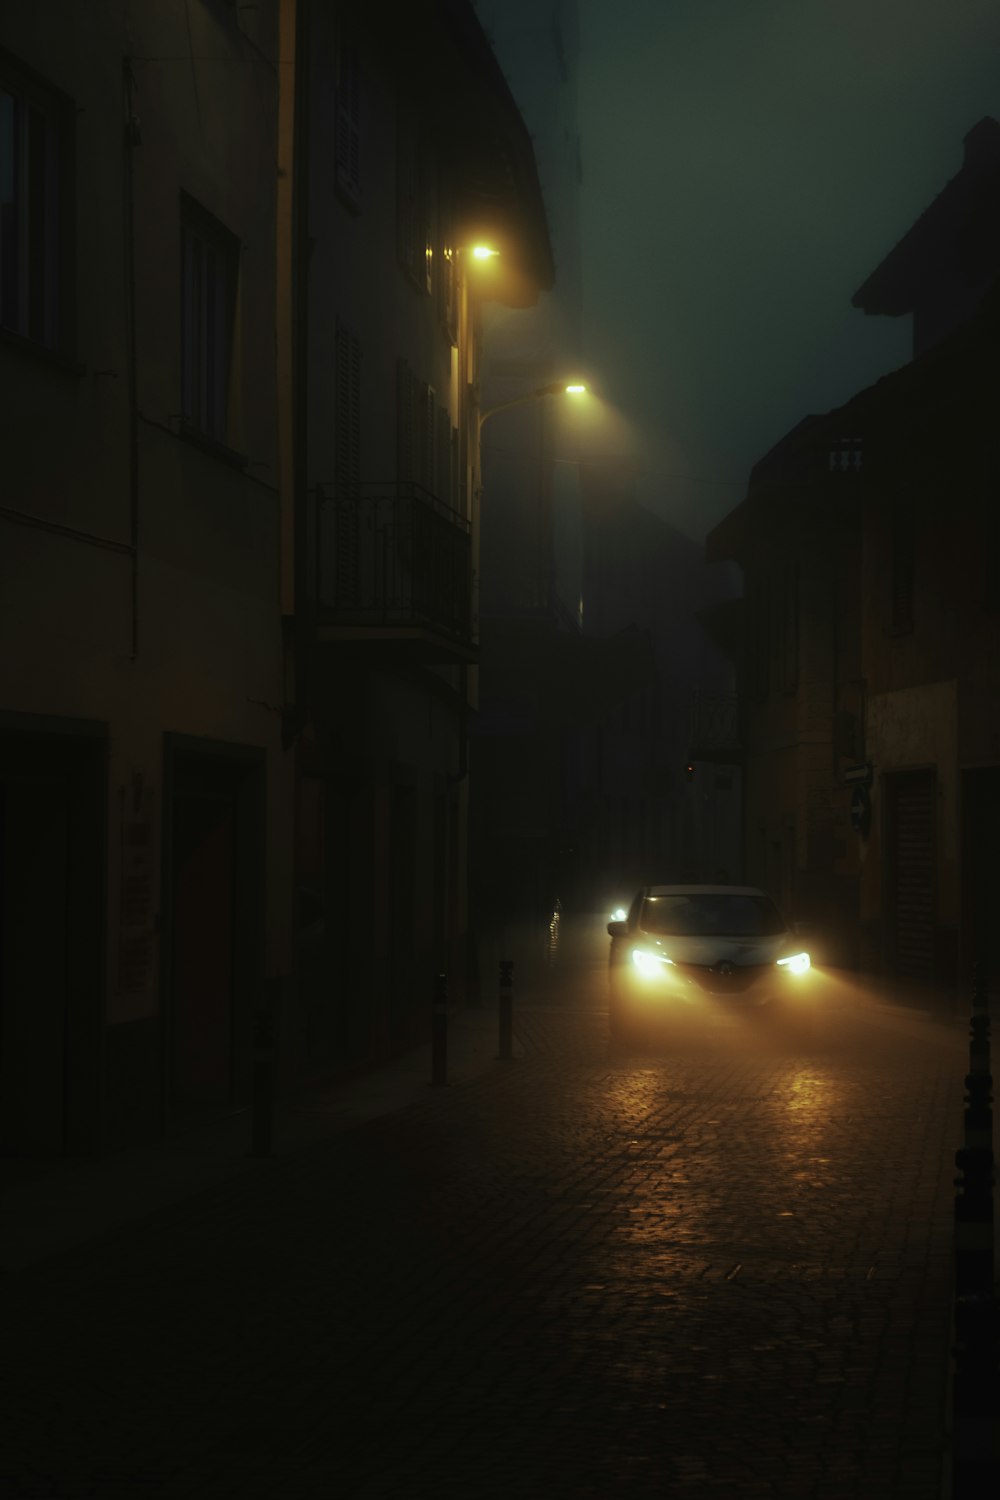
392	556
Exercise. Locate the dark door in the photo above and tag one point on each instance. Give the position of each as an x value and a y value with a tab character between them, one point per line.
34	896
53	879
215	879
203	851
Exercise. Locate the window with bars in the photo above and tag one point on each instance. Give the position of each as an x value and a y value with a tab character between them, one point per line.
209	275
36	189
348	140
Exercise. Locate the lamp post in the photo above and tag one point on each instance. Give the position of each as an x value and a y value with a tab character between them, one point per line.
556	388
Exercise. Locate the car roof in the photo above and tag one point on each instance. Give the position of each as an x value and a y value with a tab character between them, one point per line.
704	890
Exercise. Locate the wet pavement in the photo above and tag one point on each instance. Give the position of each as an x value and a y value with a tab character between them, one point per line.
719	1264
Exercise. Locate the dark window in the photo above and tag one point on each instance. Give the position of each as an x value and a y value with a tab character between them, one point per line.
209	271
416	429
35	208
348	147
448	293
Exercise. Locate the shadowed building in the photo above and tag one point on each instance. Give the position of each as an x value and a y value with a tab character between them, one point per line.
868	542
145	794
407	155
239	333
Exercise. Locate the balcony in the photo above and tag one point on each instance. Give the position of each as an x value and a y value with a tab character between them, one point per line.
393	573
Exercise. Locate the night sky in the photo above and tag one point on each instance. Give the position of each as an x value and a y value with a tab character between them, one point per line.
747	163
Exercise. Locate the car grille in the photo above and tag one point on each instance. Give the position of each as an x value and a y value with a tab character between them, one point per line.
741	977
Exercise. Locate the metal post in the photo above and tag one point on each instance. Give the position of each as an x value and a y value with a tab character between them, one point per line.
439	1031
506	1008
974	1381
265	1070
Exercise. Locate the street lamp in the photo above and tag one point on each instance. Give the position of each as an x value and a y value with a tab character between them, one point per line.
557	388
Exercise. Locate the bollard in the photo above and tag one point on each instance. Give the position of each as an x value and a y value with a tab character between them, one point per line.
265	1071
439	1032
975	1384
506	1009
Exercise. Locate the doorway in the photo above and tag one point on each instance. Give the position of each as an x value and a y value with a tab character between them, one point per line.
214	907
53	878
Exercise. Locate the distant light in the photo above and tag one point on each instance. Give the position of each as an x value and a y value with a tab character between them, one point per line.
576	390
483	252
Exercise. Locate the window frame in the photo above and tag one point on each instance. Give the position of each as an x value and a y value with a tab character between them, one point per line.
58	336
200	420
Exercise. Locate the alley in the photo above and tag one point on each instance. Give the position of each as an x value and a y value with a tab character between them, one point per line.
720	1266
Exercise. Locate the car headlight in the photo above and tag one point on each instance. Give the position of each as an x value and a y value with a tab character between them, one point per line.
619	914
797	963
649	964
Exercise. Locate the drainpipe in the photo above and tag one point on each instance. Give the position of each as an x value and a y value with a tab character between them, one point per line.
131	139
295	714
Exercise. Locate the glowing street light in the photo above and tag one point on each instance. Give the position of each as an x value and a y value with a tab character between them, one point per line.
557	388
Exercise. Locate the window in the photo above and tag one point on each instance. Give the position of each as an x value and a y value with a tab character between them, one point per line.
209	271
35	209
416	429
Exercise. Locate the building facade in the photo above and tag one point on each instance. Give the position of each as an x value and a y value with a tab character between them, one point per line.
146	792
868	542
239	345
409	154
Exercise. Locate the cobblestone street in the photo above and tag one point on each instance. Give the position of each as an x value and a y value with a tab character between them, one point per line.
718	1265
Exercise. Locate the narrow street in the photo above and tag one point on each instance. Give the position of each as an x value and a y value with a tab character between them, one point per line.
717	1266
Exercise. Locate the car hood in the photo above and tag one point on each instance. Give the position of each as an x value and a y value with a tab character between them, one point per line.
713	950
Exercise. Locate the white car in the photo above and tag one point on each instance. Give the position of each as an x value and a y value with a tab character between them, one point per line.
701	945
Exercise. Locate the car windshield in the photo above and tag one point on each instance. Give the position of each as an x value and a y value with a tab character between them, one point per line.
711	914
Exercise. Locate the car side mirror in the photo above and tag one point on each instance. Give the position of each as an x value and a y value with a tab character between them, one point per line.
617	929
